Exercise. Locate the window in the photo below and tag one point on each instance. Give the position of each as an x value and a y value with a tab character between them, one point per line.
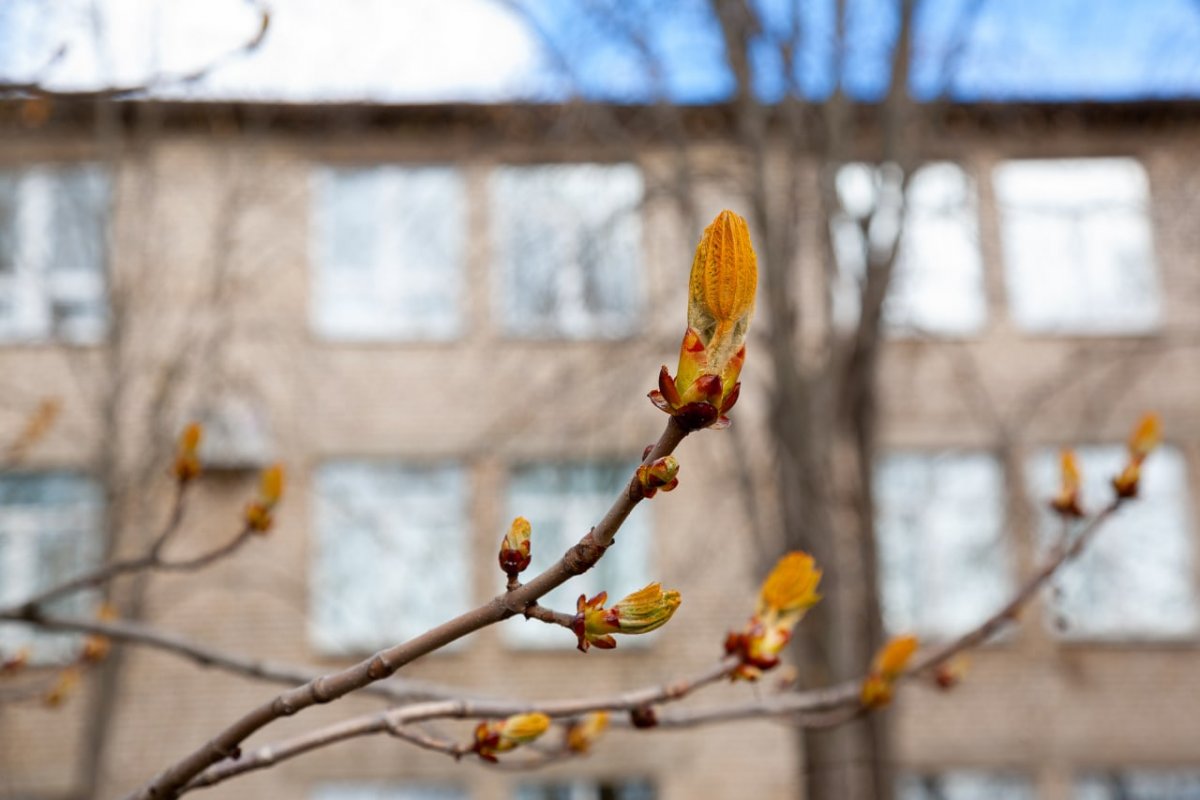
965	785
1140	785
562	502
937	282
1077	245
567	244
368	791
943	560
53	251
49	531
1135	579
587	790
389	560
388	252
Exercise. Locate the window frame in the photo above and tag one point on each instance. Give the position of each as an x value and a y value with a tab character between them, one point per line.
387	319
618	325
326	636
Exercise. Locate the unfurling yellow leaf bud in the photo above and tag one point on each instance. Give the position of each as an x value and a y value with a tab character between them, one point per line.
583	734
515	553
643	611
721	291
187	463
791	588
258	514
787	593
889	664
501	737
1066	502
1145	437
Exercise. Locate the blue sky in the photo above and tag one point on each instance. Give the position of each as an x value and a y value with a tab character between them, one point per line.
625	50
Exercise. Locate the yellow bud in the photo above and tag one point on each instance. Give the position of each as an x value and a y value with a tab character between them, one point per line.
1145	437
1066	502
892	658
187	464
68	679
646	610
721	288
523	728
515	552
791	588
270	485
582	735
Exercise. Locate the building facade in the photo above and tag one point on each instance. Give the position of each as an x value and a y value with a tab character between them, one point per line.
441	318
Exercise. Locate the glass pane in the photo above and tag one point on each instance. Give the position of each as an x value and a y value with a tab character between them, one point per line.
937	283
362	791
964	785
1140	785
9	185
944	563
1078	245
562	502
389	561
49	532
78	245
567	243
389	250
1135	579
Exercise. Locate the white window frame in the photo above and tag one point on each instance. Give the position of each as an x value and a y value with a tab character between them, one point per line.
415	577
23	530
922	552
582	199
541	492
938	253
1098	210
36	286
1116	598
394	297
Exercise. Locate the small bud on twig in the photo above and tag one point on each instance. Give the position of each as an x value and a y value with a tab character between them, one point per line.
258	515
515	552
659	474
643	611
1066	502
1145	437
187	463
786	595
582	735
889	664
500	737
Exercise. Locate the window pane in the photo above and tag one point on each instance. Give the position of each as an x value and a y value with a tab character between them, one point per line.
1135	579
388	253
363	791
562	502
944	563
587	790
389	561
567	244
53	240
965	785
49	532
1140	785
937	283
1078	247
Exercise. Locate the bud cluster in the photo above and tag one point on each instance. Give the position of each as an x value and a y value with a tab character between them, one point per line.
786	595
1145	437
508	734
889	664
259	515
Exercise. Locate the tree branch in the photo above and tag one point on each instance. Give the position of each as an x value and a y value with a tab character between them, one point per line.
385	663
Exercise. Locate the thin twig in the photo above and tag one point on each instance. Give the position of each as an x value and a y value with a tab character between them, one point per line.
130	632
